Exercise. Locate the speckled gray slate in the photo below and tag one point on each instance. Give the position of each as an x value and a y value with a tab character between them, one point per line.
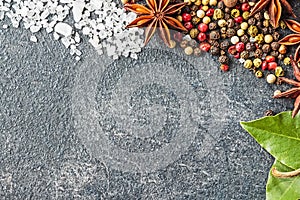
165	126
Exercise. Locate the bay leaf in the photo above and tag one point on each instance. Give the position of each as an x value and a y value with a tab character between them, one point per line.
279	135
282	188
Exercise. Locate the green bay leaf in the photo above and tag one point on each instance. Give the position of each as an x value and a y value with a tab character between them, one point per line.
282	188
279	135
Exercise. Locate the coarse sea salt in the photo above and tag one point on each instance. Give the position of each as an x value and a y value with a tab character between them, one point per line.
102	21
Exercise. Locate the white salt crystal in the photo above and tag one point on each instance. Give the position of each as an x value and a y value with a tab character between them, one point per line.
63	29
77	10
5	26
56	36
35	29
33	39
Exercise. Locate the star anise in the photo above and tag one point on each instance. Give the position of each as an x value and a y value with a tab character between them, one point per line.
275	9
294	92
292	39
158	14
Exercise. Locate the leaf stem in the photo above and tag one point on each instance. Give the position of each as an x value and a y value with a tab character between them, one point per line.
279	174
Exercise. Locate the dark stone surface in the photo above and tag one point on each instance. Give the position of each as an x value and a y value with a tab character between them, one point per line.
163	127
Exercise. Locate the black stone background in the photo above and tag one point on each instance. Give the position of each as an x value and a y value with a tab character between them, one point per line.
41	157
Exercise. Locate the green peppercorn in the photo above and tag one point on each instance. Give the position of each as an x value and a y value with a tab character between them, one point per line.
259	38
287	61
266	23
248	64
235	13
194	32
257	62
259	74
279	71
244	55
218	14
195	20
246	15
252	31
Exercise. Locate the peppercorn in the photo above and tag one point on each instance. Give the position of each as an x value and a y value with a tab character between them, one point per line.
248	64
223	36
271	78
221	5
240	32
214	35
214	51
252	31
205	8
259	74
279	71
188	2
227	16
205	2
265	30
222	53
275	46
230	23
282	49
227	10
257	62
232	50
282	24
223	30
234	39
280	57
218	14
259	38
193	43
268	113
244	38
197	2
213	2
206	20
277	92
230	32
214	43
196	20
172	44
223	59
258	16
212	25
194	33
251	21
268	38
276	36
197	52
193	13
287	61
266	48
274	53
224	45
200	13
244	26
194	7
188	50
246	15
266	23
235	13
222	23
184	44
259	24
244	55
258	53
224	67
179	18
250	46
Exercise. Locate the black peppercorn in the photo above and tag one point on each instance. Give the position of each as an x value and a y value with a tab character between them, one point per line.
266	48
275	46
227	10
230	23
193	43
280	56
214	35
259	24
244	39
214	51
271	30
251	21
274	53
224	45
250	46
197	51
258	16
230	32
223	59
212	25
227	16
258	53
221	5
245	55
265	31
276	36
